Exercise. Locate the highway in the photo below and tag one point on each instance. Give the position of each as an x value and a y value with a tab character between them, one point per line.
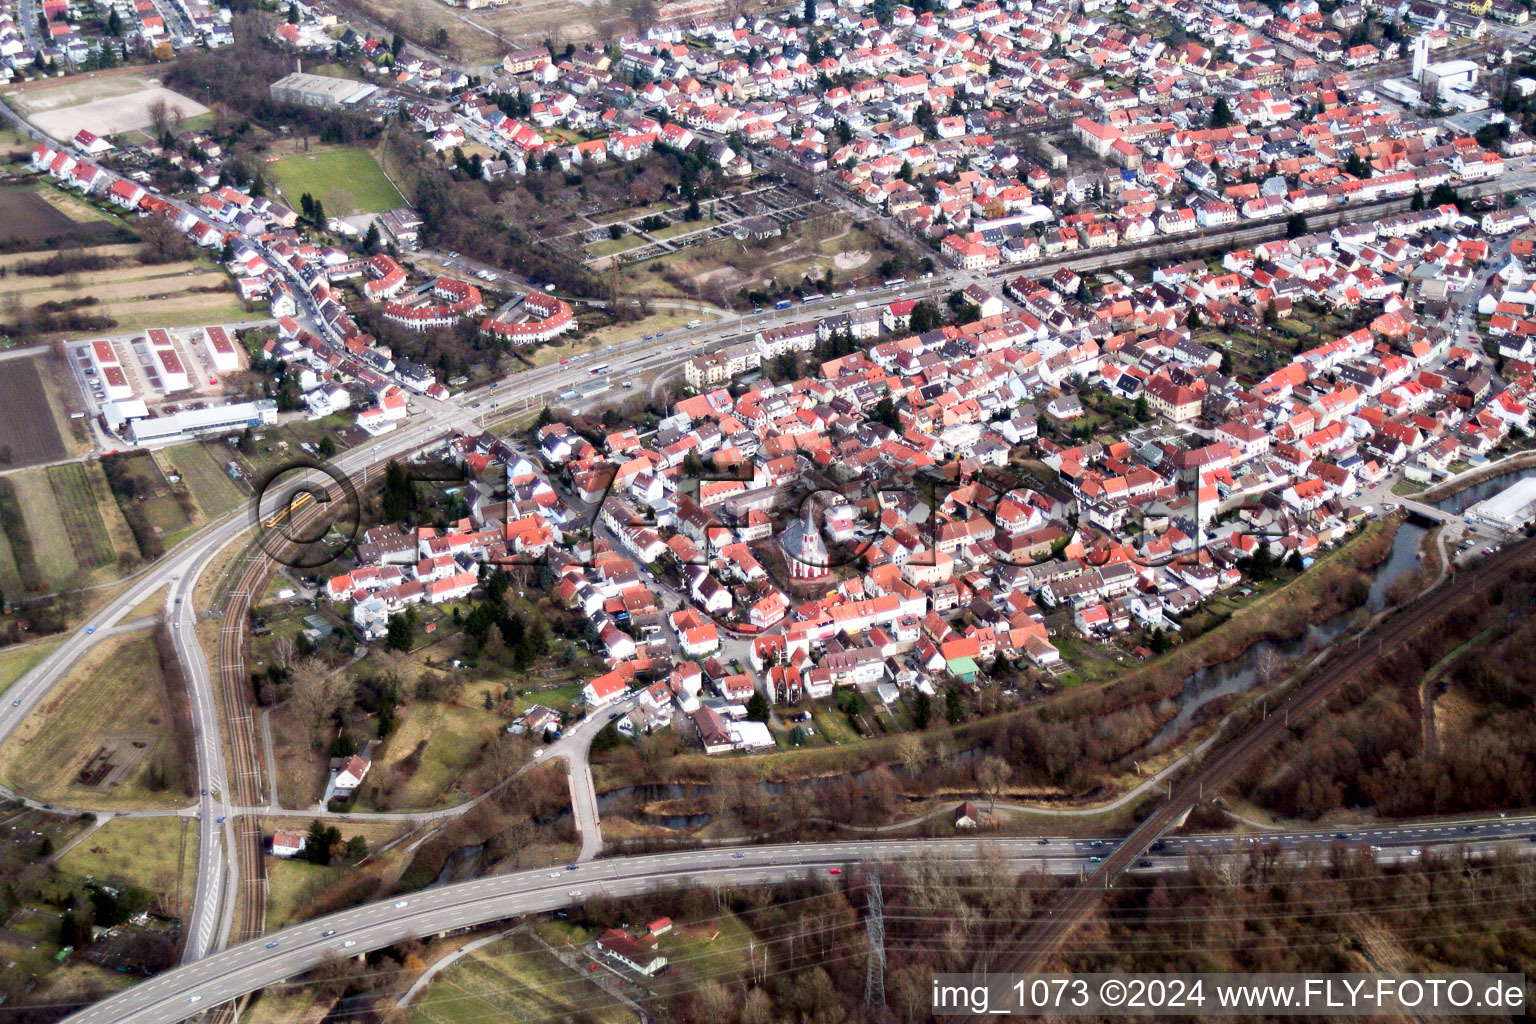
218	877
188	990
218	874
1050	932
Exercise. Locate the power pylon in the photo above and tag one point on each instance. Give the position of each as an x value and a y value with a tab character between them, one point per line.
874	973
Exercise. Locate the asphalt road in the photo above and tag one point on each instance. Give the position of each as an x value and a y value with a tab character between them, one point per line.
1047	934
188	990
210	920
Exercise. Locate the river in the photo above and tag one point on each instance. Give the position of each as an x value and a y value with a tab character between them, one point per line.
1240	674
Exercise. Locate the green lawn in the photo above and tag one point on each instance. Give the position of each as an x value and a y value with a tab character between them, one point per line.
17	661
513	980
155	854
684	227
347	181
609	246
211	486
433	746
290	885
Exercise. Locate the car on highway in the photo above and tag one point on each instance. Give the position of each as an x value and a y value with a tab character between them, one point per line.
474	405
194	999
16	703
572	867
272	944
89	630
219	820
1375	848
737	856
574	893
834	871
328	933
1042	842
1095	859
400	904
349	944
1415	852
612	715
554	874
1143	863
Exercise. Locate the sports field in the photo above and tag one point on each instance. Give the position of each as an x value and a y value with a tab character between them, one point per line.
347	181
104	104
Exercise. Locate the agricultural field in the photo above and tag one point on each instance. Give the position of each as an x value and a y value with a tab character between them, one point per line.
79	510
67	530
152	854
62	530
103	735
486	34
132	295
211	487
514	979
106	104
346	181
29	430
51	541
31	222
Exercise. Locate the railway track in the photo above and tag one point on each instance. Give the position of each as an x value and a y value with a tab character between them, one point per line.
1042	941
247	774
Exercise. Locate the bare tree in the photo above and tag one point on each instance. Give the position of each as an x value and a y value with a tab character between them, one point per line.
317	694
1267	666
992	775
284	651
910	749
160	115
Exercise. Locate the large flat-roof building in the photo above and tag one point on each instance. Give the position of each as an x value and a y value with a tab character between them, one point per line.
320	91
1512	509
193	422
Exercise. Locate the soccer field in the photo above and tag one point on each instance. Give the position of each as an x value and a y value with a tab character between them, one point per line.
347	181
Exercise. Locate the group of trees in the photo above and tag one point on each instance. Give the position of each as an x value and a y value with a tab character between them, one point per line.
323	845
1377	746
234	80
463	215
313	210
